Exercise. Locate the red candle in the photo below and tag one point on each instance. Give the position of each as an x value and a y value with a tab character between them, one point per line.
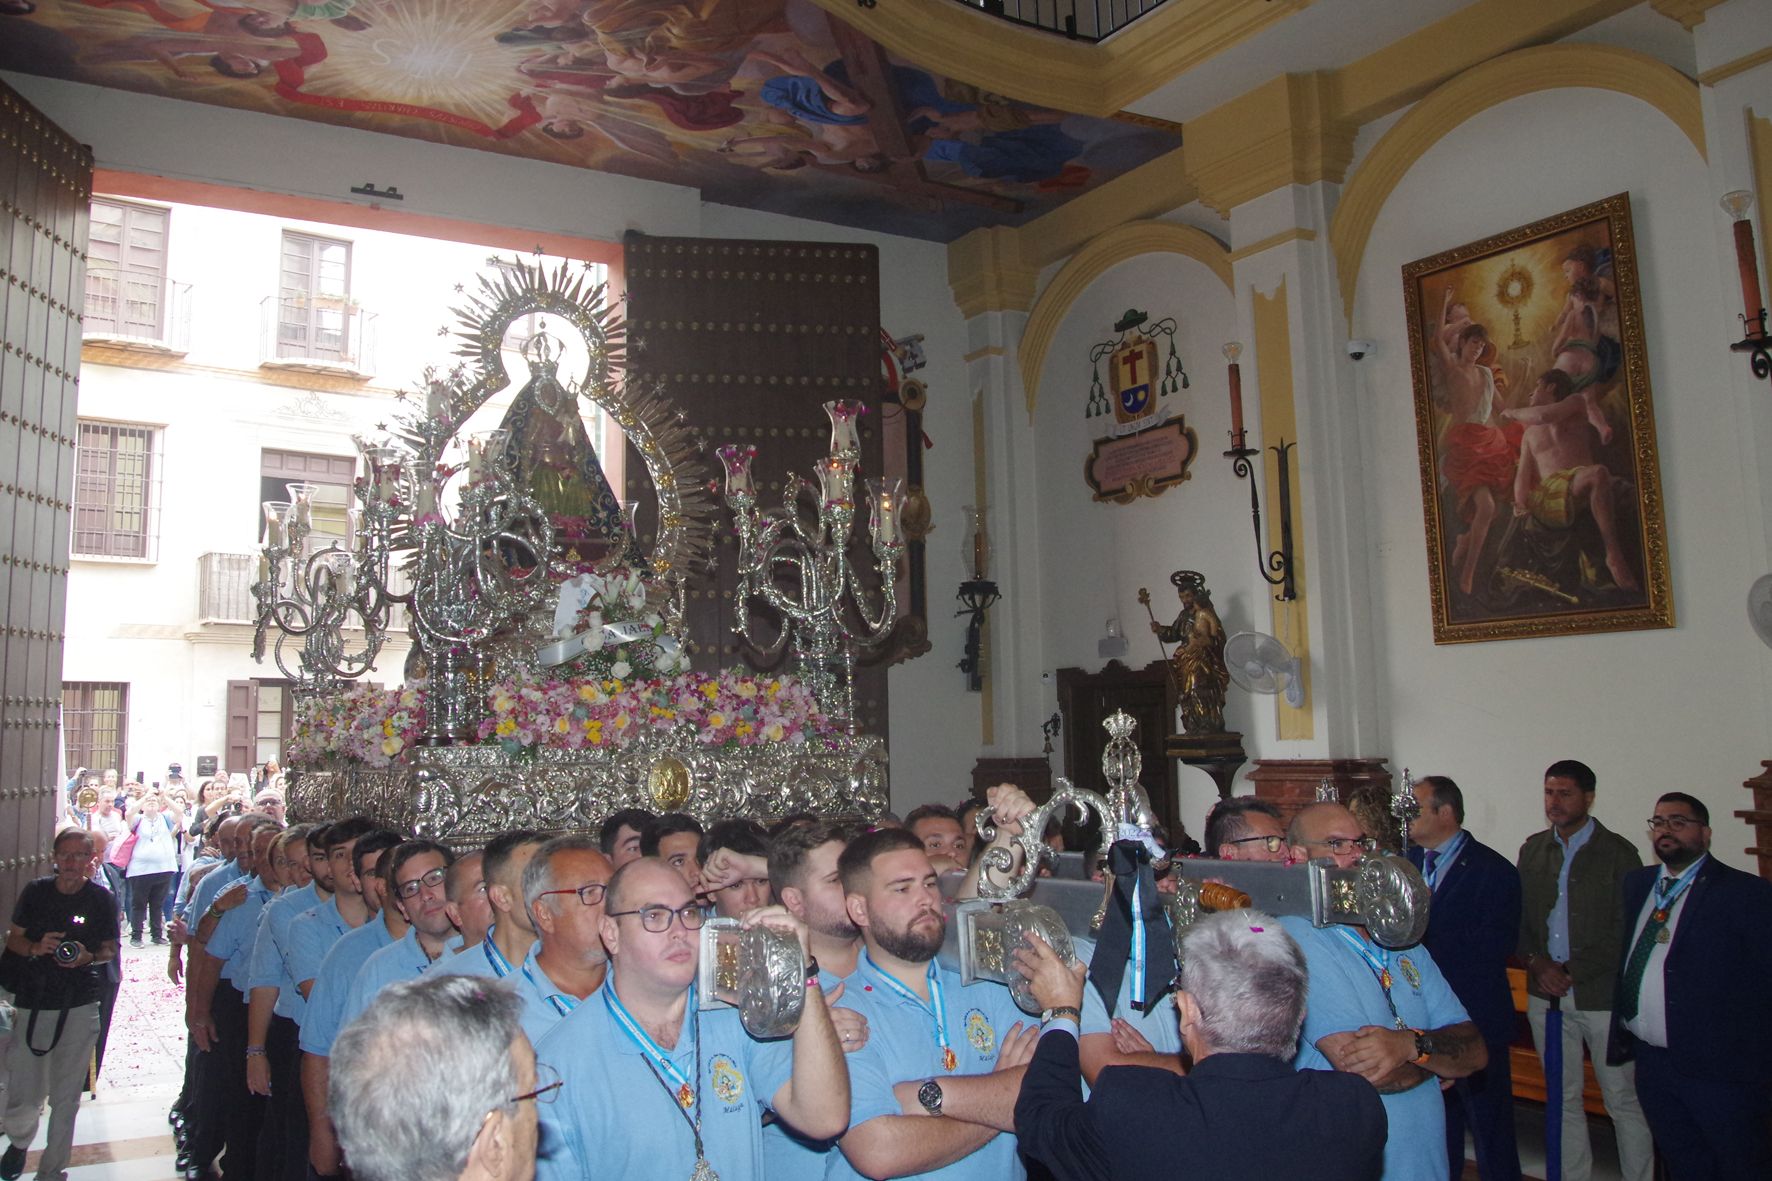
1750	277
1236	405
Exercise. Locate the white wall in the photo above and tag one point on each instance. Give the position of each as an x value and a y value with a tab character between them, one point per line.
1685	708
934	721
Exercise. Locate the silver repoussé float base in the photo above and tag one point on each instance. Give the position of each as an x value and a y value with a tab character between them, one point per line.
465	794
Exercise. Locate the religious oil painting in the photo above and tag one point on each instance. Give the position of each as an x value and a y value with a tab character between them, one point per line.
774	105
1536	432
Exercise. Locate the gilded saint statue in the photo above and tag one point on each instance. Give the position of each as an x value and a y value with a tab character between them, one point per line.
553	460
1197	663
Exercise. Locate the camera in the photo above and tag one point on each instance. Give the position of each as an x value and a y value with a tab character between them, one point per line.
1357	349
67	951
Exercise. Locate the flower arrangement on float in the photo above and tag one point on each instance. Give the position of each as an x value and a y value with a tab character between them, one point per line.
362	724
721	709
604	630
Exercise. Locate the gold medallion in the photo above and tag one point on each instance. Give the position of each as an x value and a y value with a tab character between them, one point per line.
668	781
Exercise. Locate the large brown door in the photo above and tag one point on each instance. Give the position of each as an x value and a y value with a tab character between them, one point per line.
45	194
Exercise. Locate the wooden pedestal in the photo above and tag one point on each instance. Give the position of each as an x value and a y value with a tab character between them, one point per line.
1760	816
1290	784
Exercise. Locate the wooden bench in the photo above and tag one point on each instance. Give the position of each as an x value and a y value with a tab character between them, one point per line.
1528	1071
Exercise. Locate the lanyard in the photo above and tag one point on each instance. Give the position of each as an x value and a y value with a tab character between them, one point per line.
1445	857
1138	949
501	967
656	1058
935	1008
1664	904
1379	962
562	1003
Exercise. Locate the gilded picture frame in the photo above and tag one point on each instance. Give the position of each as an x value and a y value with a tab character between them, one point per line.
1535	431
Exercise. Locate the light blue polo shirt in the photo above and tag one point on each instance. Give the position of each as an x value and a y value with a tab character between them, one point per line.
902	1046
231	941
332	986
1345	995
787	1155
403	959
269	967
482	959
613	1119
212	884
311	935
543	1001
1157	1025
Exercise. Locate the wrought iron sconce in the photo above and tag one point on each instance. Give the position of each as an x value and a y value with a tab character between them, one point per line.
1276	567
976	596
1755	343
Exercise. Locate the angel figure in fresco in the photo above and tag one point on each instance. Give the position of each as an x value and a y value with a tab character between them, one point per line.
1560	475
690	46
1198	660
1585	337
551	454
1477	456
235	43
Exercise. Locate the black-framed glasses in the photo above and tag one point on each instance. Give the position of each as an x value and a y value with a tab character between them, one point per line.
1271	844
547	1086
1673	823
430	880
657	919
590	894
1342	845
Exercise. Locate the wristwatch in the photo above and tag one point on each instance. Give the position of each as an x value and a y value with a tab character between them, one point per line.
1070	1011
811	970
1424	1046
929	1095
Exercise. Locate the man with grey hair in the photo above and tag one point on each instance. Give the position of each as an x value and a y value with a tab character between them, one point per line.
563	887
1240	1005
464	1104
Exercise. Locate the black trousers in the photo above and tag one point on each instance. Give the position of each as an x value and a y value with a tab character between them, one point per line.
1705	1129
206	1093
1485	1103
147	897
241	1111
283	1137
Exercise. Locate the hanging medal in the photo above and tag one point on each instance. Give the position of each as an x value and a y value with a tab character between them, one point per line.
1379	962
703	1171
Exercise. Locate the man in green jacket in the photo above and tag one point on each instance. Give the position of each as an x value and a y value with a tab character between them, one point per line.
1572	938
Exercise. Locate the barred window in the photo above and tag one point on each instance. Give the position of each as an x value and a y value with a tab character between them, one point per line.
116	485
95	724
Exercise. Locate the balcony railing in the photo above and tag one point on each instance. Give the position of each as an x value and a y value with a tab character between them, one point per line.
137	309
328	333
224	592
1082	20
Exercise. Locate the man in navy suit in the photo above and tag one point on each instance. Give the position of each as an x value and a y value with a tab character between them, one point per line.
1691	1001
1473	927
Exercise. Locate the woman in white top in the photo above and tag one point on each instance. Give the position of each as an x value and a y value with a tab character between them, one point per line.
152	863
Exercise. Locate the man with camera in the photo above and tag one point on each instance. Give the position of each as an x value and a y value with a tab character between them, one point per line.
62	926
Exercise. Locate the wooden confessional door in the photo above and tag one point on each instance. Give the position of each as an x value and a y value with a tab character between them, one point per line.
45	194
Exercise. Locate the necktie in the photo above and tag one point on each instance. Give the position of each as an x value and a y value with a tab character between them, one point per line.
1638	964
1428	858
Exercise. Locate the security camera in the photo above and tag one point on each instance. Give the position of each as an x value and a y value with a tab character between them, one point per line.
1357	349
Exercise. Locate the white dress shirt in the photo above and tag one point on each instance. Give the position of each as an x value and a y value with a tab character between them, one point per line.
1650	1023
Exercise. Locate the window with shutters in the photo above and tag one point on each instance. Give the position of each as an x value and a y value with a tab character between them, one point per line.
117	491
331	474
261	716
126	287
314	309
95	724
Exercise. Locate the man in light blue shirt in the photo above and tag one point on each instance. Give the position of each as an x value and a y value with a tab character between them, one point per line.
313	932
511	937
417	871
1386	1015
652	1085
338	971
933	1092
563	889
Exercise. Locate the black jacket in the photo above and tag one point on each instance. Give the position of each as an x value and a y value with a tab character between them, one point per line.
1235	1117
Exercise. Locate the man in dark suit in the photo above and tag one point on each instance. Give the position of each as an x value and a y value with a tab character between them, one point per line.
1242	1111
1473	927
1691	1002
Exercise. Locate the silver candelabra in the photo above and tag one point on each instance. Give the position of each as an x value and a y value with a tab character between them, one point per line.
795	560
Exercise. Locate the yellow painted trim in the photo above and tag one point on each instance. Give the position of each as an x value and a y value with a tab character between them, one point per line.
1740	65
989	350
1279	420
1088	264
1689	13
987	702
987	273
1038	67
1295	234
1284	132
1528	71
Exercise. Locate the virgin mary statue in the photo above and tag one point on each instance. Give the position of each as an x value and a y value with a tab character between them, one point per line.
553	459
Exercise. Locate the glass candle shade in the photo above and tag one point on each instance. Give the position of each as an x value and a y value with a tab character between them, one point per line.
883	494
836	480
845	414
276	513
301	504
737	459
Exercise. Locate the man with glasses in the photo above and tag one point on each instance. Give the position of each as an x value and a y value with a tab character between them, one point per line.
1387	1016
417	874
1473	927
1572	937
1691	1001
1244	828
563	889
656	1088
436	1080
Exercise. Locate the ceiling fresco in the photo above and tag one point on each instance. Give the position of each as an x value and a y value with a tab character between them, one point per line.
767	104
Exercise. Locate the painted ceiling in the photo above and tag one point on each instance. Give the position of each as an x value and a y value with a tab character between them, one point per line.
766	104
